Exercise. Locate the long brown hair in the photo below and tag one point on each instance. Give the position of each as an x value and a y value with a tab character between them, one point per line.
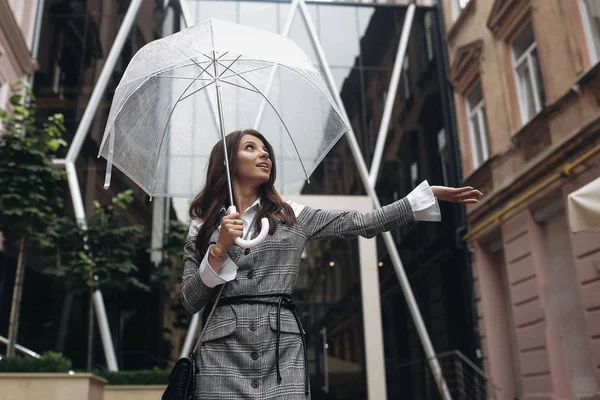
214	196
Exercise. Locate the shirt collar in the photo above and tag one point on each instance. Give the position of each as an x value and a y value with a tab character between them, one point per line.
255	204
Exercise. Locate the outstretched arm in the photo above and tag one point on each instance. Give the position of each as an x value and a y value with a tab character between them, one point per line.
420	205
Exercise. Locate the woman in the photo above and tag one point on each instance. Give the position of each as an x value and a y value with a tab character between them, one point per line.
253	346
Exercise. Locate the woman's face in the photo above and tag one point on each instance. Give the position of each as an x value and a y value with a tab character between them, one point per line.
253	162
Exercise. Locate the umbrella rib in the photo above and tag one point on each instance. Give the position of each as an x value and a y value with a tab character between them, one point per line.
241	87
246	72
331	102
186	78
280	119
211	60
228	67
162	137
143	81
194	92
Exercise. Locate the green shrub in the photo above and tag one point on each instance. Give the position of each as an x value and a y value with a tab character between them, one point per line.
48	362
140	377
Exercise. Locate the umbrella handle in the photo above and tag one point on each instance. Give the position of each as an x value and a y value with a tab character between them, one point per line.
264	231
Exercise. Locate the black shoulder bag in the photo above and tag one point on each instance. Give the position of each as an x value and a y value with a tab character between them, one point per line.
183	374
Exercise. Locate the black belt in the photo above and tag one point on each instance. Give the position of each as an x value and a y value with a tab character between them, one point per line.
279	300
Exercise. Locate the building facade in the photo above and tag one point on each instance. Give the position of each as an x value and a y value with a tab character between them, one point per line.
526	80
17	37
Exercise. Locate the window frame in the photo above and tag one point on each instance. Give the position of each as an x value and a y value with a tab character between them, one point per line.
477	111
593	52
518	62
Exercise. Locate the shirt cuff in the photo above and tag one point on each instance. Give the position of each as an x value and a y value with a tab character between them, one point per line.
208	275
424	205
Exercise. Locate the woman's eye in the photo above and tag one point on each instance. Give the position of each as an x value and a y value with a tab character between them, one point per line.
248	146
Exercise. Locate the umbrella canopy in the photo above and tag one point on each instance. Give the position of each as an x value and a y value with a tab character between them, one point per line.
584	207
181	94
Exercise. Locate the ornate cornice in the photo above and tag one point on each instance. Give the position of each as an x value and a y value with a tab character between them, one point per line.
506	15
465	66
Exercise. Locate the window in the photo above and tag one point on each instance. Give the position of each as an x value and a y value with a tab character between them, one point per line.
429	35
477	124
590	13
406	78
530	88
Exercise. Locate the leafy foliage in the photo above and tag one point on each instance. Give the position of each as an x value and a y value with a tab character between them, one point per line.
170	269
103	255
139	377
30	184
48	362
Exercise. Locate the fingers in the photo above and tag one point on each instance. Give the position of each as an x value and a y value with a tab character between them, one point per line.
233	226
461	189
472	193
231	216
469	201
464	189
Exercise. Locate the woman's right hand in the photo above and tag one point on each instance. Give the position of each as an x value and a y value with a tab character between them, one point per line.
231	228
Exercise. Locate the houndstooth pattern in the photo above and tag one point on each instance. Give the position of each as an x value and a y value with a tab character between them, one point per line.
227	357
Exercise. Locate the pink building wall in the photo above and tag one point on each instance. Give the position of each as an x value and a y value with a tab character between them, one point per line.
540	335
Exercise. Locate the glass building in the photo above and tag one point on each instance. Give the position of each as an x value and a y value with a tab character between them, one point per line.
360	41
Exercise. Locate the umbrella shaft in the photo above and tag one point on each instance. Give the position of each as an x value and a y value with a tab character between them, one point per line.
222	127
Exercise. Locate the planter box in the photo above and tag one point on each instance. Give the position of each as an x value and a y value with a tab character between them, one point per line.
133	392
50	386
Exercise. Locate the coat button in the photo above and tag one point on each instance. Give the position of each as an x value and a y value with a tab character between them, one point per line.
250	275
254	355
252	326
247	251
254	383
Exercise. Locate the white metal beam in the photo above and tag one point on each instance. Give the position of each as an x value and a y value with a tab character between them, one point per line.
286	31
22	349
387	236
73	153
188	21
391	94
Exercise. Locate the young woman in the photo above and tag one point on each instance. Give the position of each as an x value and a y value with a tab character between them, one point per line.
253	347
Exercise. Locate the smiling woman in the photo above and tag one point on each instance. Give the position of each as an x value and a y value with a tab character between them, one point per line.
254	346
254	163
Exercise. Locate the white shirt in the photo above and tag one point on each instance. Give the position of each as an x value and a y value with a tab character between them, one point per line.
422	201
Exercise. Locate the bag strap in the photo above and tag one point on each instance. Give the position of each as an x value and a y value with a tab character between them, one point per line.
212	311
239	252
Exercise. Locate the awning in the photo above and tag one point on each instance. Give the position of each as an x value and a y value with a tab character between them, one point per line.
584	208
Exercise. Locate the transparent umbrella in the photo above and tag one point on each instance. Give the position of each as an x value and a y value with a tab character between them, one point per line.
181	94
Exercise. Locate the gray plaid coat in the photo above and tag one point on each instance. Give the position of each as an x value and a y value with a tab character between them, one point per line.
237	355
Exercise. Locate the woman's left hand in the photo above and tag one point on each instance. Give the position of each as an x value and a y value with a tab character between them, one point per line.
463	195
